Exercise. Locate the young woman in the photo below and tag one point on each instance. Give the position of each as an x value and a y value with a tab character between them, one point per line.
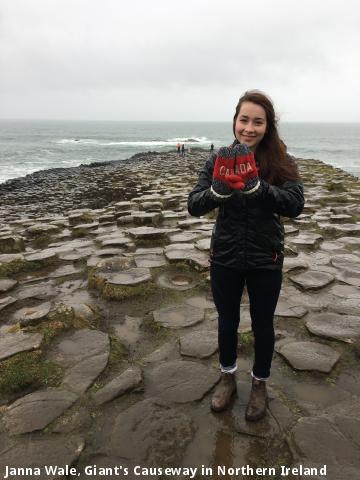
253	183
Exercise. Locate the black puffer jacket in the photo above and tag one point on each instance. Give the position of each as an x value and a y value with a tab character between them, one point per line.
248	233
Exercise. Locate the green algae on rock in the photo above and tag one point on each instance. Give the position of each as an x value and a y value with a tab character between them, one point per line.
28	370
10	264
11	244
118	278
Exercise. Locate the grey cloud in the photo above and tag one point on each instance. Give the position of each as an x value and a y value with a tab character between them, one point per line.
80	49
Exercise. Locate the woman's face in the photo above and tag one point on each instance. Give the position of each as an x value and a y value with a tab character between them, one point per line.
250	125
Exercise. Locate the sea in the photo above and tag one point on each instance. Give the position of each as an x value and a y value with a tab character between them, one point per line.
30	145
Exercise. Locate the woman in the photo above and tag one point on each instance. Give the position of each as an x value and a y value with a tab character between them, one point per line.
253	183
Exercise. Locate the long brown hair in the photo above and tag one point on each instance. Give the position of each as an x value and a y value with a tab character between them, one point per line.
275	165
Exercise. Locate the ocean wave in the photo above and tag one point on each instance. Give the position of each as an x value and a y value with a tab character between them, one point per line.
139	143
189	140
76	140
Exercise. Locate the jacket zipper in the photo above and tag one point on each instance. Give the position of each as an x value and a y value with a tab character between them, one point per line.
246	231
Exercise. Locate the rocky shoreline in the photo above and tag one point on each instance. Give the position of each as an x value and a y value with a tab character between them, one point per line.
108	343
89	186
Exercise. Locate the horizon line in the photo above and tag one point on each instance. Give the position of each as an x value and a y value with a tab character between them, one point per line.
158	121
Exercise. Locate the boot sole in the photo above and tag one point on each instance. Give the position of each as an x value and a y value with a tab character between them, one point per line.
219	409
255	418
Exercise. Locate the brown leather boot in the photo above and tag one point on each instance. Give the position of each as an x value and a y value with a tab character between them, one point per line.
256	408
223	392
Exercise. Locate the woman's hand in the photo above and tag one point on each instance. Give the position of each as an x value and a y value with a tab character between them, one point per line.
224	166
245	175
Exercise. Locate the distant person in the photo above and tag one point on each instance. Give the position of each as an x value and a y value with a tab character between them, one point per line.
183	150
212	147
254	182
178	148
189	150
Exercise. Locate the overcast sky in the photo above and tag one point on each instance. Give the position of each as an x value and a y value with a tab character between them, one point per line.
183	60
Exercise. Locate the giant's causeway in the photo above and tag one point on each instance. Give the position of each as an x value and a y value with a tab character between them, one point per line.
108	331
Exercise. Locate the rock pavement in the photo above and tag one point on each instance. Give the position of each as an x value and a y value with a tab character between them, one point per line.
108	332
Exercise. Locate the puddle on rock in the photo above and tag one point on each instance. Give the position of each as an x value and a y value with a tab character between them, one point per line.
180	280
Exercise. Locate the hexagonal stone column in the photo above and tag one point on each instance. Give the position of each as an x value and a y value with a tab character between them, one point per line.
309	355
118	278
181	381
7	284
84	355
178	316
332	325
36	410
149	233
11	244
312	280
190	256
42	229
306	240
331	440
13	343
32	315
44	257
201	344
146	218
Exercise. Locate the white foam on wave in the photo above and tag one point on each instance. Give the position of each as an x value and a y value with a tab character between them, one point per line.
77	140
140	143
189	140
17	172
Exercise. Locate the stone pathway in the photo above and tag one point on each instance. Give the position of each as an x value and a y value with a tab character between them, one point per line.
108	332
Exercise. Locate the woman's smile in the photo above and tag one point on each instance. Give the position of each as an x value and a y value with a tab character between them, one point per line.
249	140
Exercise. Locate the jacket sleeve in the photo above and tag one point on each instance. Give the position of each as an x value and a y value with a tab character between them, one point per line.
202	199
286	200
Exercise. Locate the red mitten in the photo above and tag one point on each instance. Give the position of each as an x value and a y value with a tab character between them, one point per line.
245	177
224	166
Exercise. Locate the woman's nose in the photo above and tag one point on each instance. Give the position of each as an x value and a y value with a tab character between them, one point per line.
249	127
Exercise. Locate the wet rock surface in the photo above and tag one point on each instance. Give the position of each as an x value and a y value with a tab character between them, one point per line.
177	280
35	451
287	307
336	430
201	344
181	381
178	316
32	315
6	301
128	331
36	410
118	278
309	355
193	257
84	355
7	284
107	279
128	380
332	325
151	431
312	280
13	343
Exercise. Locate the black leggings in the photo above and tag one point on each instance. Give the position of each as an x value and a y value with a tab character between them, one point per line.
263	287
